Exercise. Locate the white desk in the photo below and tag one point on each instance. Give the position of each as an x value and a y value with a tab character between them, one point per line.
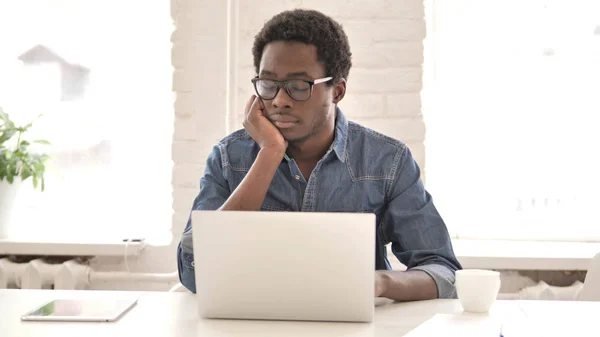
175	314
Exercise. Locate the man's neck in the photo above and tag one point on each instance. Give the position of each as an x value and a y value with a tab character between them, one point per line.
314	148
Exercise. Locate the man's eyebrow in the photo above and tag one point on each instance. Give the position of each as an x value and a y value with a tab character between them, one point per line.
298	74
266	72
289	75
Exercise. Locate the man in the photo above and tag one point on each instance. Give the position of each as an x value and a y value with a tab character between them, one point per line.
298	152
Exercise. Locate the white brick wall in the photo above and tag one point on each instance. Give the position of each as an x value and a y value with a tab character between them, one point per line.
386	38
383	93
199	59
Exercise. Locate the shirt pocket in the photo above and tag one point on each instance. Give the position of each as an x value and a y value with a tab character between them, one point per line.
278	198
274	206
352	210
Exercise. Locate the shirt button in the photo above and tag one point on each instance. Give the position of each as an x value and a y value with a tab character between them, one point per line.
297	177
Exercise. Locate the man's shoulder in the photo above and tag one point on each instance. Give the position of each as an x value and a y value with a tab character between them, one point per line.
371	155
237	137
360	136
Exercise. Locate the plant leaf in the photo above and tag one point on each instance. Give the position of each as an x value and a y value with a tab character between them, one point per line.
38	166
7	134
23	146
20	162
3	116
10	177
3	169
26	172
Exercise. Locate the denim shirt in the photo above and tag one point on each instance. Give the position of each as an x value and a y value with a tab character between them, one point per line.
363	172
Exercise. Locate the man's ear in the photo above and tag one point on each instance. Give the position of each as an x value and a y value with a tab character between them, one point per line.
339	90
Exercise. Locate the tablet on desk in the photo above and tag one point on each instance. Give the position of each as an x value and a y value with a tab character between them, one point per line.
74	310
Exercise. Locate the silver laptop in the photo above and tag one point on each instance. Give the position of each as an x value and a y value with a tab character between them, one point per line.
285	265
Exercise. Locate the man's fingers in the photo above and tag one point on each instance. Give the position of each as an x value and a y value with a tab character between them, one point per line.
255	107
249	104
262	104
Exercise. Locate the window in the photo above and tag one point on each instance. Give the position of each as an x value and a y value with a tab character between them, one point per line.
512	109
100	71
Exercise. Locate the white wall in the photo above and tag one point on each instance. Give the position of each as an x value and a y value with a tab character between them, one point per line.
200	59
212	62
200	63
386	38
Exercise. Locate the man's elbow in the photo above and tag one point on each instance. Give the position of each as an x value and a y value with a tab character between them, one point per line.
443	276
188	280
185	267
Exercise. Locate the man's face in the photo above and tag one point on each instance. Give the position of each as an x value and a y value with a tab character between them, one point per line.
296	120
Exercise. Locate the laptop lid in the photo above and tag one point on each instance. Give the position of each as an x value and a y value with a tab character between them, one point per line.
285	265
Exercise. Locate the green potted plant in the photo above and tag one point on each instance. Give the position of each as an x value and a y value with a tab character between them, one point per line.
17	164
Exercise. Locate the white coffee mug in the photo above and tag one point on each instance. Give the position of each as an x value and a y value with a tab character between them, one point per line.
477	289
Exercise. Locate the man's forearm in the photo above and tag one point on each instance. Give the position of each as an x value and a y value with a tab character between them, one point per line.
251	192
411	285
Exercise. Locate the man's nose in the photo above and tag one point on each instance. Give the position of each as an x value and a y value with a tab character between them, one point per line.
282	99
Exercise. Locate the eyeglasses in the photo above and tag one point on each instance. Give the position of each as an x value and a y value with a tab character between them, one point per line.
298	90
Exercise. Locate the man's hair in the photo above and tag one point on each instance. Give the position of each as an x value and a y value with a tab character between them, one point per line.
310	27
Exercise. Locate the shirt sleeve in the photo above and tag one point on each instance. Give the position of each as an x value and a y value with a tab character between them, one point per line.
419	237
214	191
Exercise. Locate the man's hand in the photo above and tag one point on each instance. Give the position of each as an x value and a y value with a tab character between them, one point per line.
410	285
260	128
381	283
251	192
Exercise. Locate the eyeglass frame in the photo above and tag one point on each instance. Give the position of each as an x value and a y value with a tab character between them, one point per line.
283	84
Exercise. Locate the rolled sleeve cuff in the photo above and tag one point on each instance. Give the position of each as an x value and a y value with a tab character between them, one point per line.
185	266
443	277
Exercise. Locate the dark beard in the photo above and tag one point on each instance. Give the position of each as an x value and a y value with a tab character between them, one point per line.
300	140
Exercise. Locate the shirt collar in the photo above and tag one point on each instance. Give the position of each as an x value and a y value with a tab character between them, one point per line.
341	135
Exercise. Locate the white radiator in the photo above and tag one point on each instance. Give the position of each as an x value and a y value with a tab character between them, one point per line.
35	274
10	273
38	274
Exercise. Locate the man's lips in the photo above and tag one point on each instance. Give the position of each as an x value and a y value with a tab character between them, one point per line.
282	121
283	118
284	125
